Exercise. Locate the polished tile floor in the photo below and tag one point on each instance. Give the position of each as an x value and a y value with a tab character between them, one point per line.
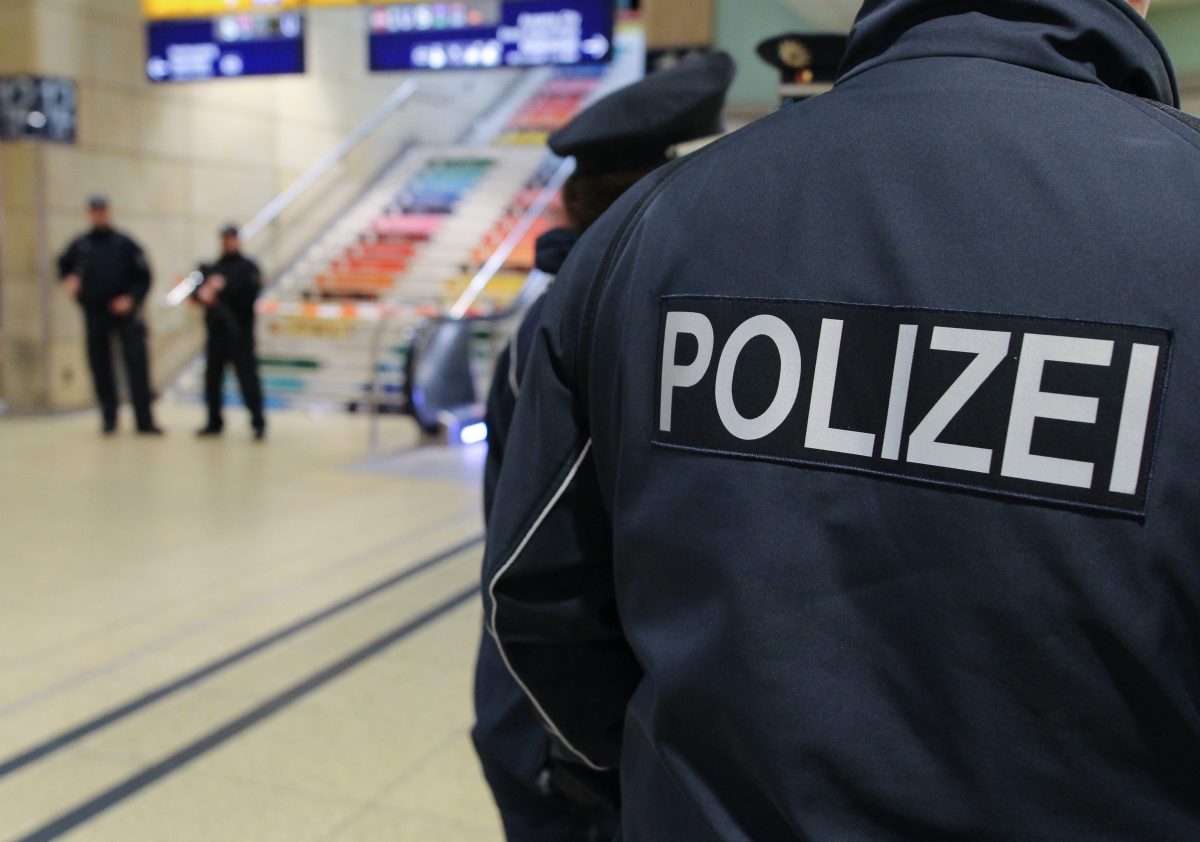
224	641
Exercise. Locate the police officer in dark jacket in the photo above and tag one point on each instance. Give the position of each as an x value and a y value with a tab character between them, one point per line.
544	792
551	253
230	289
107	273
851	492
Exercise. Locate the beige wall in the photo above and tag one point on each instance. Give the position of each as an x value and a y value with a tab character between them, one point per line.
678	23
1191	99
177	161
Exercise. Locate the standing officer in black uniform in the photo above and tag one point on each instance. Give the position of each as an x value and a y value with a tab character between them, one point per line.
851	492
544	792
230	288
107	273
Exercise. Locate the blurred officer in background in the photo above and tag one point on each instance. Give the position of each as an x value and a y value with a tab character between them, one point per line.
107	273
228	293
848	495
807	64
544	791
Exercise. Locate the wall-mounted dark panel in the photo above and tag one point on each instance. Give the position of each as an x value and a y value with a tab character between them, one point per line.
38	108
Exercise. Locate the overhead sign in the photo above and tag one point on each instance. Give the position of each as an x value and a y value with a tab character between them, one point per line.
169	9
38	108
226	47
182	9
475	34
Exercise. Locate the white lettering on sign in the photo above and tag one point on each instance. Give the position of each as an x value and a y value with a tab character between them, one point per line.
675	376
1031	403
820	435
990	347
952	399
786	392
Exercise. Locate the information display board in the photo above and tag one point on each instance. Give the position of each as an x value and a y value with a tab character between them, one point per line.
225	47
476	34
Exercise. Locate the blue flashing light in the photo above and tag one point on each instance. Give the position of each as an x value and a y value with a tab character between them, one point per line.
473	433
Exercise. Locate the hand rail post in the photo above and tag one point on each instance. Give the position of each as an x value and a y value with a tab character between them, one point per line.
495	263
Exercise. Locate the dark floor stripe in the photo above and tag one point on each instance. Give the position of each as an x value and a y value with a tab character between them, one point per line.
66	738
152	774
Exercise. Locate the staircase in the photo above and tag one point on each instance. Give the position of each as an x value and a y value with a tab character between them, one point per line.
406	252
335	330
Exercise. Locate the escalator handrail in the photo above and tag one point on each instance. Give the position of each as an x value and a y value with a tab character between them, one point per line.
478	284
487	273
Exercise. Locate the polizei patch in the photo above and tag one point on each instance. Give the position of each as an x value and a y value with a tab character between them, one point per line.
1058	411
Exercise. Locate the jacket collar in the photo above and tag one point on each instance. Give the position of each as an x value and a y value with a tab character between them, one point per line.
553	248
1099	41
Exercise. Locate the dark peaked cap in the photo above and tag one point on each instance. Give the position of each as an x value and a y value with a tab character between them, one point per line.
797	55
636	126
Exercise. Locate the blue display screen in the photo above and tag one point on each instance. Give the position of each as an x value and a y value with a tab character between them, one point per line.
480	34
226	47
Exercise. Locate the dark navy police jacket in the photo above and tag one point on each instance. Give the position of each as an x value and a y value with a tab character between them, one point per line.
853	488
110	264
243	285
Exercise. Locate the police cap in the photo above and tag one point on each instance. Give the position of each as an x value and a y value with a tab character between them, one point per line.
804	59
97	202
636	126
230	229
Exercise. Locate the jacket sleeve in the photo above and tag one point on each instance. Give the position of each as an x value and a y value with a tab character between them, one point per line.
549	585
254	283
68	261
140	274
501	402
243	288
502	398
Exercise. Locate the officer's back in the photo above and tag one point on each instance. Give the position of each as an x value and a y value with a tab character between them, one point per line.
900	471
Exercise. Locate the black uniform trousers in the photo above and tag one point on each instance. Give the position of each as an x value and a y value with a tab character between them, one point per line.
131	333
225	346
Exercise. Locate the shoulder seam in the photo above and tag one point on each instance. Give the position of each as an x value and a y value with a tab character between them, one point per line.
600	280
1175	121
1188	120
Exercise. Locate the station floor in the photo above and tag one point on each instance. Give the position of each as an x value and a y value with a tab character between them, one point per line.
220	640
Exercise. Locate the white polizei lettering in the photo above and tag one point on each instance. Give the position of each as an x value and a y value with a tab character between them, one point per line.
820	435
1135	418
990	348
775	329
1031	403
906	346
676	376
